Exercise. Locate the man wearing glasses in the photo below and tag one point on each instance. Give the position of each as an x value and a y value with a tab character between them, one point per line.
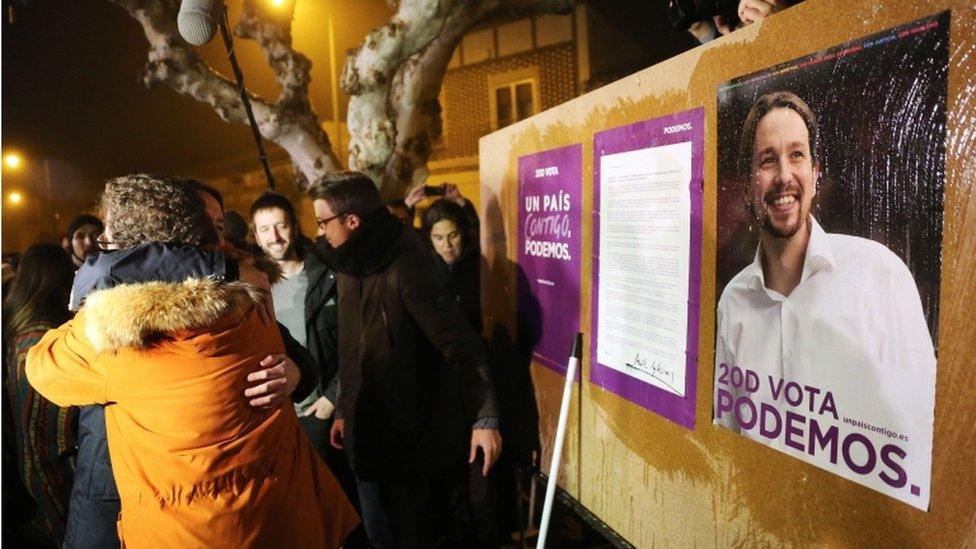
415	394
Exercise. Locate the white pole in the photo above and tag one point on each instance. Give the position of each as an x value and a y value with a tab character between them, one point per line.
557	447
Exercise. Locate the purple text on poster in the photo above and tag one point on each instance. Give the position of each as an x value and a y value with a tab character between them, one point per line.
687	126
549	238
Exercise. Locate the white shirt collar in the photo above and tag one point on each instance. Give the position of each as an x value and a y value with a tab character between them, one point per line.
819	256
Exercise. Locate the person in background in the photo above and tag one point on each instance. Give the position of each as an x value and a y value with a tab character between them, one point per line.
305	303
446	191
236	231
9	271
454	245
45	433
82	237
747	13
453	241
754	11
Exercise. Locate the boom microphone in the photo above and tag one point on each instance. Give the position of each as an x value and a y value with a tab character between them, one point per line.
198	20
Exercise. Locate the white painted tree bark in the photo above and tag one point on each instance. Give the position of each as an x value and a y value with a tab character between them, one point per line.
394	79
395	76
289	121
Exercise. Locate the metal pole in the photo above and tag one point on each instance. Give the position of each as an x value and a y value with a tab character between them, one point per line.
557	447
239	76
335	87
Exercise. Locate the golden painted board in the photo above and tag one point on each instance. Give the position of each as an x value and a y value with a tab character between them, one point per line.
659	484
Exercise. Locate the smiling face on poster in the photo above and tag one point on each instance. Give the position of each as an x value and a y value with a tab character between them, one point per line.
831	182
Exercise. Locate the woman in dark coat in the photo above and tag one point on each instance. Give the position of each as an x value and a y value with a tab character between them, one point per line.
451	231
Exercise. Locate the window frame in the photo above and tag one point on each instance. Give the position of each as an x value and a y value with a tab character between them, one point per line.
510	80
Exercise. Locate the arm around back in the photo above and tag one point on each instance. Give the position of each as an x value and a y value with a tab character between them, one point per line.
63	367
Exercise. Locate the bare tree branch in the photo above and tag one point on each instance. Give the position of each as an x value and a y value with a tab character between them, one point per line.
416	87
289	122
271	29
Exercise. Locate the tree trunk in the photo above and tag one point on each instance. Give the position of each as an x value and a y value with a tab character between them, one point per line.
394	79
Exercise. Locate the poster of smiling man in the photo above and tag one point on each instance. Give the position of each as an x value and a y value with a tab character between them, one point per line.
829	235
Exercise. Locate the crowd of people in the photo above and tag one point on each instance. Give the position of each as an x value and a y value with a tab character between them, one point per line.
174	382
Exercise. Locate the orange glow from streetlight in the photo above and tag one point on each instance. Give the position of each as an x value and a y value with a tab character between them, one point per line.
277	3
12	160
15	197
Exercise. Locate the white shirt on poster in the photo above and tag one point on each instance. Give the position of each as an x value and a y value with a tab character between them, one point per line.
853	326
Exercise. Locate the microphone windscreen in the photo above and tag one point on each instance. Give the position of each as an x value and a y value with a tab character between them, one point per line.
198	20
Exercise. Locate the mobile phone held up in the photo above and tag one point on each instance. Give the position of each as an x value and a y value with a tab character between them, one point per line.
433	190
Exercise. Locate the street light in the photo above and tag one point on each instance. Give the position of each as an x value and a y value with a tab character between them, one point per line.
12	160
15	197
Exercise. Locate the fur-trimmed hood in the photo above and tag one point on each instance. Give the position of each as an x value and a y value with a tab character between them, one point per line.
140	315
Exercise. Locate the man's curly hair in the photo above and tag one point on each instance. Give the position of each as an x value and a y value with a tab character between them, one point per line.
142	208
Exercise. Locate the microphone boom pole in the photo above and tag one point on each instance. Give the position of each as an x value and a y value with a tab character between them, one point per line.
239	76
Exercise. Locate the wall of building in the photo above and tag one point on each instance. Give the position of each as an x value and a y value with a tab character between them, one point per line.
466	103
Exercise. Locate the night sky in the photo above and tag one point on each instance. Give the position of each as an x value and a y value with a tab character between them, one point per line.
72	93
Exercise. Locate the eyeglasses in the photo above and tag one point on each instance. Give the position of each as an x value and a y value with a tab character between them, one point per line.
323	223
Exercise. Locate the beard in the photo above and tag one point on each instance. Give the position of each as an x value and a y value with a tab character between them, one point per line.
282	253
782	232
765	220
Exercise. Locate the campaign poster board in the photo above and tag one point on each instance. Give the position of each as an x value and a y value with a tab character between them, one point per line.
549	239
829	246
647	207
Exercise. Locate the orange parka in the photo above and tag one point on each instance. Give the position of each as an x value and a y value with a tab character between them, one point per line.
196	466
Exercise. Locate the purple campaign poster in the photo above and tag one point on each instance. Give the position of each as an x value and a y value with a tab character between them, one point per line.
549	202
647	211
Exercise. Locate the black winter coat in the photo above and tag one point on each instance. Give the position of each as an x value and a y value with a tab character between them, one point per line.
463	281
322	322
413	373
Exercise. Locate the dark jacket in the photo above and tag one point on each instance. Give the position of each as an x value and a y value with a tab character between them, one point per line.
413	373
322	322
463	282
94	504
